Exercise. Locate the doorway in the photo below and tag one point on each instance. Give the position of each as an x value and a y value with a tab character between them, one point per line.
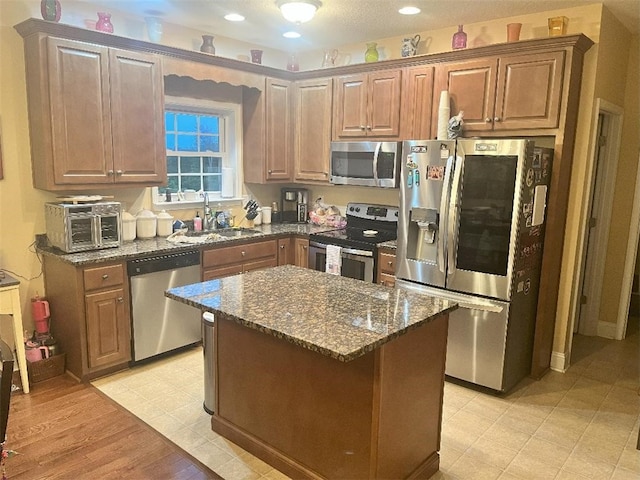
605	146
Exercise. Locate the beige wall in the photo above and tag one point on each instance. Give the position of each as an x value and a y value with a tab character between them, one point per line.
21	206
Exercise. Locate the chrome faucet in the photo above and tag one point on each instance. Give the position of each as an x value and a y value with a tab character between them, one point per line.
208	220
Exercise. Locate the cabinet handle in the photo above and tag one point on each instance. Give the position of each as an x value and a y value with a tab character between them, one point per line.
243	253
120	300
368	127
105	276
119	172
269	172
282	246
326	173
110	172
362	127
488	120
497	119
304	247
390	263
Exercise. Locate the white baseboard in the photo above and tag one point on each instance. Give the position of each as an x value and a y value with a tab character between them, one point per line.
559	362
607	330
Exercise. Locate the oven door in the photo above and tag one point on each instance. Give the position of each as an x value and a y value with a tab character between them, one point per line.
358	264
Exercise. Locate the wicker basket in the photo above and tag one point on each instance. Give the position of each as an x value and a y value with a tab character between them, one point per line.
46	368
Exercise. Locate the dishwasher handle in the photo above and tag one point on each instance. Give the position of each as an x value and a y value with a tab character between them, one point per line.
160	263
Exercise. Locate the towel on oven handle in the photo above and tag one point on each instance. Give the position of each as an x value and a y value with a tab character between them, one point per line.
334	259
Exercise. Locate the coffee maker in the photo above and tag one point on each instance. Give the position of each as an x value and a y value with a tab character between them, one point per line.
293	205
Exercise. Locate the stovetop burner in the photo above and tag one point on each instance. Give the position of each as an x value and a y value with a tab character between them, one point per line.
367	226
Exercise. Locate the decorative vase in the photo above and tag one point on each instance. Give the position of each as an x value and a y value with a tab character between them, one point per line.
513	32
459	39
154	28
104	22
371	55
557	26
292	63
207	44
256	56
51	10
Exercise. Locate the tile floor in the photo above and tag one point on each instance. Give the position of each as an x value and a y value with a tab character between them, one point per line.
582	424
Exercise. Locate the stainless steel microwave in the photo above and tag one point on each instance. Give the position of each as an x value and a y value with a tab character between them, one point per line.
80	227
371	164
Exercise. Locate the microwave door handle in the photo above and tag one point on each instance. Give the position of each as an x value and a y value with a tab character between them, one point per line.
375	163
444	213
454	206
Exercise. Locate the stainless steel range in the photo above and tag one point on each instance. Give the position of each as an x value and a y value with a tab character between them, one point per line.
368	226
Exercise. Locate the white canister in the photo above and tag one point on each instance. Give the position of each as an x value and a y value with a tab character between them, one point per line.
128	227
146	224
266	215
165	224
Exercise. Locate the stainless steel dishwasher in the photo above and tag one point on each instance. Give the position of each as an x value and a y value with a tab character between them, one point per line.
159	323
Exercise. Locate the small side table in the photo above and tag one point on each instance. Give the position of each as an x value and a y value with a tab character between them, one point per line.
10	305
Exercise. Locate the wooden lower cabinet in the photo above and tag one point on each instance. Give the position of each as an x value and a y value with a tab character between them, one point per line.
286	253
90	315
301	248
386	267
225	261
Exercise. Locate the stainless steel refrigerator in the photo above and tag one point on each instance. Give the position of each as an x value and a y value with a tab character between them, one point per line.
471	228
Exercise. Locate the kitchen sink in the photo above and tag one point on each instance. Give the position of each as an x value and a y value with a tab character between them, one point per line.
225	232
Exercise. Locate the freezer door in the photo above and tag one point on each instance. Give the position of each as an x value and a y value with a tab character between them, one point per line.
477	338
484	213
424	202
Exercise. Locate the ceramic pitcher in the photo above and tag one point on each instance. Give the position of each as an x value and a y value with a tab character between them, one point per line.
410	46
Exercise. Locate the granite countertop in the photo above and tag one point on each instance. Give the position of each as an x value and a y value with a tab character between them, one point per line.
7	280
160	245
336	316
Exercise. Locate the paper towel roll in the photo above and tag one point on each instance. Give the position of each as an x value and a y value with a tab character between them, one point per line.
444	114
228	183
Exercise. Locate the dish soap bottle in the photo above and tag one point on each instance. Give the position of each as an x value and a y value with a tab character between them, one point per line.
197	223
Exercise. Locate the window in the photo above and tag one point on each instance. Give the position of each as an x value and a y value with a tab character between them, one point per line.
202	140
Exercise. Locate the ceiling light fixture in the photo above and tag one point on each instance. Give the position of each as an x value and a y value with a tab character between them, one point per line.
299	11
291	35
409	10
234	17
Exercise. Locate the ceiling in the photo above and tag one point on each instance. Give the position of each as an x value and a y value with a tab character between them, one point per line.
344	22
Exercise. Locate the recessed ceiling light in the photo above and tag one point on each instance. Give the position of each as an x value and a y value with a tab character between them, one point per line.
291	35
409	10
234	17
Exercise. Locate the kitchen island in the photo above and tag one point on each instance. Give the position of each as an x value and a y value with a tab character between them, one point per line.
324	376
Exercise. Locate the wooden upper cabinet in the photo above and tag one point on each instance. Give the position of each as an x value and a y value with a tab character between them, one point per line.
137	113
278	129
417	102
312	137
511	92
367	105
95	114
267	135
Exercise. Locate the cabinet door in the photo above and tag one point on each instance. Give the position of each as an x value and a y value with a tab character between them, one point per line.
259	264
528	92
383	113
137	99
471	87
312	139
80	112
350	106
286	254
417	102
301	247
278	129
108	330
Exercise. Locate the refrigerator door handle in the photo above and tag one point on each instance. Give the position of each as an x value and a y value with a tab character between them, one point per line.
444	214
452	241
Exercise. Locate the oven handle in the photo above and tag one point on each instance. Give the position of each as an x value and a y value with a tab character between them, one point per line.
349	251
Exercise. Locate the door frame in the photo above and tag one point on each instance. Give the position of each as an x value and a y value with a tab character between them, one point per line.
630	262
598	249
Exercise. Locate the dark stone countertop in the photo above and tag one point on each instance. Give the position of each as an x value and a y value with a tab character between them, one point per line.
7	280
160	245
336	316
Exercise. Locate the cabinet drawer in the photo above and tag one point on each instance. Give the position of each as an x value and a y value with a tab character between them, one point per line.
387	280
387	263
217	257
213	273
103	276
259	264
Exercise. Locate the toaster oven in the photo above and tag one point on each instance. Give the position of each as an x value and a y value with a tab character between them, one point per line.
80	227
